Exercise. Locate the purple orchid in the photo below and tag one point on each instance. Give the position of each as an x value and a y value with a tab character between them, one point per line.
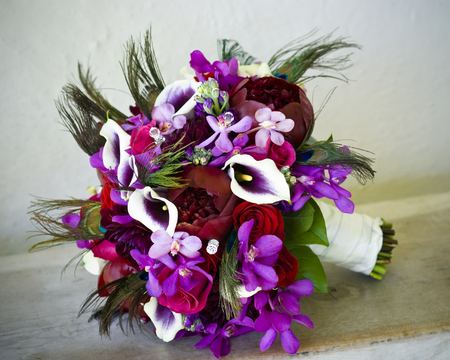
218	337
150	265
258	259
221	126
135	122
337	177
182	275
238	148
271	122
277	314
225	72
181	242
167	123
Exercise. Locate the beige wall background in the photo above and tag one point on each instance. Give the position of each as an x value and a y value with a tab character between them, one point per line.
397	104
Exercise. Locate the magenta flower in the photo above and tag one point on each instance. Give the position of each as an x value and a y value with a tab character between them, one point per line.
271	123
221	126
258	259
277	314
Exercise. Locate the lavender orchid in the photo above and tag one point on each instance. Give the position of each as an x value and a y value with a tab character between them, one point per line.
258	259
150	265
181	242
167	122
271	123
221	126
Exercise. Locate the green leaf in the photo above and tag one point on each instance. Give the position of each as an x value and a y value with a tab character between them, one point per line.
310	267
305	227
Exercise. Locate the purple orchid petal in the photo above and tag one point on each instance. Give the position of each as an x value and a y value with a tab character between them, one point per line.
207	141
242	126
268	245
289	342
153	286
212	121
122	219
281	322
116	197
262	323
265	272
290	302
302	287
219	347
153	211
304	320
261	138
345	205
299	203
168	261
170	285
179	122
187	283
326	190
240	140
96	161
285	125
268	339
167	323
250	280
260	300
190	246
223	143
207	340
276	138
163	112
244	234
263	114
278	116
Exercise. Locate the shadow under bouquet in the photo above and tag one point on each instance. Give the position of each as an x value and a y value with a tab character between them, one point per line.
205	221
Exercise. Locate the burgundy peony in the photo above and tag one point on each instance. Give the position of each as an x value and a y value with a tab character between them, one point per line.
250	95
268	220
186	302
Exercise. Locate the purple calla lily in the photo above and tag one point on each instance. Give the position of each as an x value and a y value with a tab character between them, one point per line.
259	182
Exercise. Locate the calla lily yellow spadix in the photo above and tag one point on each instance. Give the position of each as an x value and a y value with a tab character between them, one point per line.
259	182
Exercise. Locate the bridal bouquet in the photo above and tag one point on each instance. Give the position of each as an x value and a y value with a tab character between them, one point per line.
206	222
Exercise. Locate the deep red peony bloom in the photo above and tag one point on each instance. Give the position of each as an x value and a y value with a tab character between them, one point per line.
250	95
268	220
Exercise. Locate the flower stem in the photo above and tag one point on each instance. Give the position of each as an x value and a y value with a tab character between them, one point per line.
385	255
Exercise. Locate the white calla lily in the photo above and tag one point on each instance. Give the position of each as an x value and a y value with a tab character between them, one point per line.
167	323
153	211
259	182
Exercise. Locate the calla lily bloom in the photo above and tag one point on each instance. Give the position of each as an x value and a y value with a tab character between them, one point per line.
153	211
115	153
259	182
167	323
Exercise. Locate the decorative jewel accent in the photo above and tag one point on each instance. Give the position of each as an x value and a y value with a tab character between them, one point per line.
213	246
156	135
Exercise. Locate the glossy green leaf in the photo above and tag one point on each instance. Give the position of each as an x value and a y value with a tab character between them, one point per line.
305	227
310	267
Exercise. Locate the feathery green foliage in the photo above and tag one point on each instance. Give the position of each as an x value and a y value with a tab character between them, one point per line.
228	283
169	165
126	296
229	49
142	74
80	123
324	154
295	58
94	93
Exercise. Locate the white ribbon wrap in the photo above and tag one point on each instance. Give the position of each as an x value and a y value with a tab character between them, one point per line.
355	240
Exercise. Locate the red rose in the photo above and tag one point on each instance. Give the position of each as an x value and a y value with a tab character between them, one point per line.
268	220
141	141
249	95
186	302
114	270
283	155
286	267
